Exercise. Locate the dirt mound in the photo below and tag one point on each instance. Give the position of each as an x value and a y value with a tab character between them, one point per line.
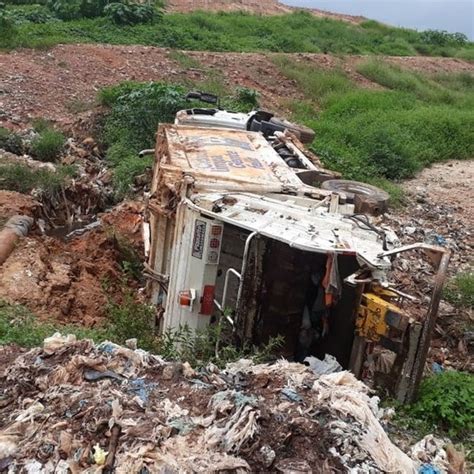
13	203
72	281
54	84
74	406
262	7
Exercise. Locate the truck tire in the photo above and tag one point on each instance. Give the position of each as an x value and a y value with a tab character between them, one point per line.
305	134
367	199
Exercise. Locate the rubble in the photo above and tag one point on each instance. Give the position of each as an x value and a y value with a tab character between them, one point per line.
436	214
54	417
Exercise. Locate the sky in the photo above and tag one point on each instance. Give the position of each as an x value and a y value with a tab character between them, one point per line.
449	15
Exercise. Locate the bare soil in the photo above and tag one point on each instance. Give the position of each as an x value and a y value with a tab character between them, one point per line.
61	84
263	7
69	281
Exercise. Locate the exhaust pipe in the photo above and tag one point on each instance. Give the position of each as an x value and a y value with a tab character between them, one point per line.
15	228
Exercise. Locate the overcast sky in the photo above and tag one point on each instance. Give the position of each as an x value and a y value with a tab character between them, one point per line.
450	15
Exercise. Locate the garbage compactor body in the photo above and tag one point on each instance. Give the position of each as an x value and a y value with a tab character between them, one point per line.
234	232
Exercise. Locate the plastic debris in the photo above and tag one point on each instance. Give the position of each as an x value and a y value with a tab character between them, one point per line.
291	395
327	366
241	420
99	455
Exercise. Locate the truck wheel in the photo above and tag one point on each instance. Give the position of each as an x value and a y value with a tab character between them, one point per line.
367	199
305	134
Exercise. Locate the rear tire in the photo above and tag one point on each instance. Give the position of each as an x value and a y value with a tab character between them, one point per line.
367	199
305	134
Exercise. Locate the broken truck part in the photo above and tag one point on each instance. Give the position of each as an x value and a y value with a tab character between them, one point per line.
15	228
235	230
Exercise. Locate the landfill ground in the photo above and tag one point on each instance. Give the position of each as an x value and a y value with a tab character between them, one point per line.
280	418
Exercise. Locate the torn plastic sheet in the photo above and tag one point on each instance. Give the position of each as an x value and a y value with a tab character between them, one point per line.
237	422
322	367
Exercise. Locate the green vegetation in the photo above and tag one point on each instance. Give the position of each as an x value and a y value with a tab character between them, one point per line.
19	326
460	290
21	178
296	32
132	320
136	109
48	144
11	141
445	402
374	135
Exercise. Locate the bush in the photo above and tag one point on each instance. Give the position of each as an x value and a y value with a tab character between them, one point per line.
446	402
8	30
21	178
130	13
443	38
11	141
47	146
66	9
32	14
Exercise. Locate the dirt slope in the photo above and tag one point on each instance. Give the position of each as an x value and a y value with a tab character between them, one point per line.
61	83
264	7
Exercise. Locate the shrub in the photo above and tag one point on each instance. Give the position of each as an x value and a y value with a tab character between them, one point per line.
8	30
47	146
11	141
443	38
21	178
130	13
446	402
66	9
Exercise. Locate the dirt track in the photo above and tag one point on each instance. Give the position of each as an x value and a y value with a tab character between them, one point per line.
62	83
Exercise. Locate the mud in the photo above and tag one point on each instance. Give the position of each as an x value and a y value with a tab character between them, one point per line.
71	281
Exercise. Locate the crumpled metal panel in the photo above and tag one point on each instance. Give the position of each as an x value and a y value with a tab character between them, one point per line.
300	224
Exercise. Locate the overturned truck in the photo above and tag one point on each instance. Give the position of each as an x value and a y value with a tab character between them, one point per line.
240	227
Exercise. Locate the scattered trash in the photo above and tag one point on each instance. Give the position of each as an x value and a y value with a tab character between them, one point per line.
137	421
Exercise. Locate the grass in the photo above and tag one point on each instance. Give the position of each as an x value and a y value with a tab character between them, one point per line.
388	134
296	32
445	404
130	319
48	144
19	326
460	290
21	178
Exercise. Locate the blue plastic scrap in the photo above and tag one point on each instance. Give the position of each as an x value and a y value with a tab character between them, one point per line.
142	388
428	469
291	395
437	368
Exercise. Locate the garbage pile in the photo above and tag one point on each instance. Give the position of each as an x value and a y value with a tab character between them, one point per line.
73	406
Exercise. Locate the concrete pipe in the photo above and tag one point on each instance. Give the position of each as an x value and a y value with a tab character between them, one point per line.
15	228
